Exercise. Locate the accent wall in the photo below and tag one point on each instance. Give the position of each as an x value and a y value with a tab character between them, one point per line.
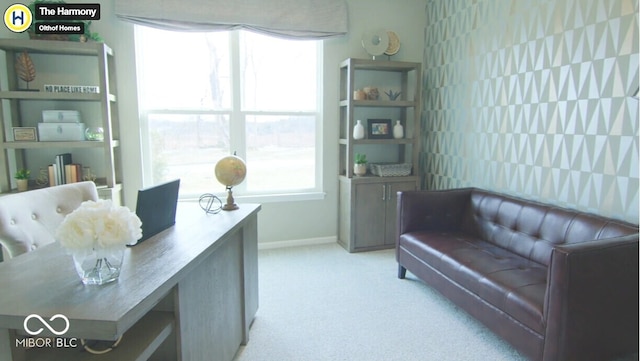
534	98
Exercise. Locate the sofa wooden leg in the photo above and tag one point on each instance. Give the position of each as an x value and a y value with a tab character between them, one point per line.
402	272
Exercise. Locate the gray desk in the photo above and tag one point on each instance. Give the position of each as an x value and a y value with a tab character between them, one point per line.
189	293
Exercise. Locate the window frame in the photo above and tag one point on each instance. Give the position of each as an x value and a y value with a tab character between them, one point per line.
237	130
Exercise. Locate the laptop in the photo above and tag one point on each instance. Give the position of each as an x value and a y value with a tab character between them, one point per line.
156	208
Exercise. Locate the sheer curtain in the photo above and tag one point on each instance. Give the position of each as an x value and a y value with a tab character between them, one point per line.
305	19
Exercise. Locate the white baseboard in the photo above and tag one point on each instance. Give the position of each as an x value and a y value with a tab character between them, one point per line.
297	242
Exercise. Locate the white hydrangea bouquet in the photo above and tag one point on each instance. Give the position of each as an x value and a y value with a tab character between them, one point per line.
96	234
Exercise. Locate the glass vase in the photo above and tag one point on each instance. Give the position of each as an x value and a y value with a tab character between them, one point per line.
98	266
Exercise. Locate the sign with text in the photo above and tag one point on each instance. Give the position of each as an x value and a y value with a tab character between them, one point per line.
51	18
35	324
53	11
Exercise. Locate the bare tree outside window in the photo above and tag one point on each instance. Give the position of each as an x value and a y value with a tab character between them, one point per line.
187	87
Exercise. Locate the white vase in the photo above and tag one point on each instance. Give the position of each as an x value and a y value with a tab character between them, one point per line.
358	130
398	130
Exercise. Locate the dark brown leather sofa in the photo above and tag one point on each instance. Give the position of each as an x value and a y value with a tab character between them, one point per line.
557	284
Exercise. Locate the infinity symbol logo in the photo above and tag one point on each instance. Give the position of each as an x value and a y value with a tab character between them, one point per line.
46	324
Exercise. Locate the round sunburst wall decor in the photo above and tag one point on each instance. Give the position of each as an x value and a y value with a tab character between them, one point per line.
394	44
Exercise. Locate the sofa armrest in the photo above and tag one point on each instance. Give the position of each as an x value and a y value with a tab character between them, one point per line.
432	210
591	309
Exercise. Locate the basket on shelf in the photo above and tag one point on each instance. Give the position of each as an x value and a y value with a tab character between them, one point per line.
390	169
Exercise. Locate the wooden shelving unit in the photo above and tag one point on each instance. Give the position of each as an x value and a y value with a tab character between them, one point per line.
367	203
16	154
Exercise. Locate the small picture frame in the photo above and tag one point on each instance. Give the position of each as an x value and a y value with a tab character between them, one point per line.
25	134
379	129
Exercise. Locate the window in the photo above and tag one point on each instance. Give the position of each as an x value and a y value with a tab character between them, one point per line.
207	95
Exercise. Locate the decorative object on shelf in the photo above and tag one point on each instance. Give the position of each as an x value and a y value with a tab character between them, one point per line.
359	95
88	34
22	179
61	116
358	130
43	177
394	44
25	69
379	129
372	93
82	89
360	164
94	134
61	132
25	134
230	171
390	169
375	42
87	175
398	130
393	95
96	234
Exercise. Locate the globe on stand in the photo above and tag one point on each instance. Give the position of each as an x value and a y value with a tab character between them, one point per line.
230	171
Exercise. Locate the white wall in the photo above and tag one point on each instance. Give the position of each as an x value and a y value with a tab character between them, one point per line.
282	221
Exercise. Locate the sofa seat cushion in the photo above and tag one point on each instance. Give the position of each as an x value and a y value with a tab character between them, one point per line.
504	279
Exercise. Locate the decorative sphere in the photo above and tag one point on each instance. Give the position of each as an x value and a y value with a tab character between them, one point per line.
230	170
95	134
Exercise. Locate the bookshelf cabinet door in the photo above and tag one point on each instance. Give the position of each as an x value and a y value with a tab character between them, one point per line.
370	220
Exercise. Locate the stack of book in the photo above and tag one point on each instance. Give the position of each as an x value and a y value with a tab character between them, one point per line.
64	171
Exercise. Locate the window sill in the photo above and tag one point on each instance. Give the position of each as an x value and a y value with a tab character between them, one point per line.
284	197
268	198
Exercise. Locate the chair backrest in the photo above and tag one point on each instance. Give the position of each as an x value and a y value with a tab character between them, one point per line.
29	219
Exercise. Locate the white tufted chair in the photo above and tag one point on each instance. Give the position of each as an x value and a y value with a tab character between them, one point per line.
29	219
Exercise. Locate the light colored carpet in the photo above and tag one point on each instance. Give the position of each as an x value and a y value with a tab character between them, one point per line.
323	303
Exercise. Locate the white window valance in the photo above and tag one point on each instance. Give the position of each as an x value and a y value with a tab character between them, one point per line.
308	19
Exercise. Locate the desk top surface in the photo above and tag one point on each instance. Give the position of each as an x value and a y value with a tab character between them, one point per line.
45	282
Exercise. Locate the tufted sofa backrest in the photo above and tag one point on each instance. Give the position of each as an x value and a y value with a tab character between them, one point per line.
29	219
531	229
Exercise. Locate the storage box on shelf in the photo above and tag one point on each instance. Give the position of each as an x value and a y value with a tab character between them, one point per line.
60	62
380	92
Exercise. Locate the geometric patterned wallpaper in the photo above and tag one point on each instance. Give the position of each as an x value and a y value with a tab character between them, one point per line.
533	98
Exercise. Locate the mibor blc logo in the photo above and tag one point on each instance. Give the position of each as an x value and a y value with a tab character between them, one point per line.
33	326
46	324
18	18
